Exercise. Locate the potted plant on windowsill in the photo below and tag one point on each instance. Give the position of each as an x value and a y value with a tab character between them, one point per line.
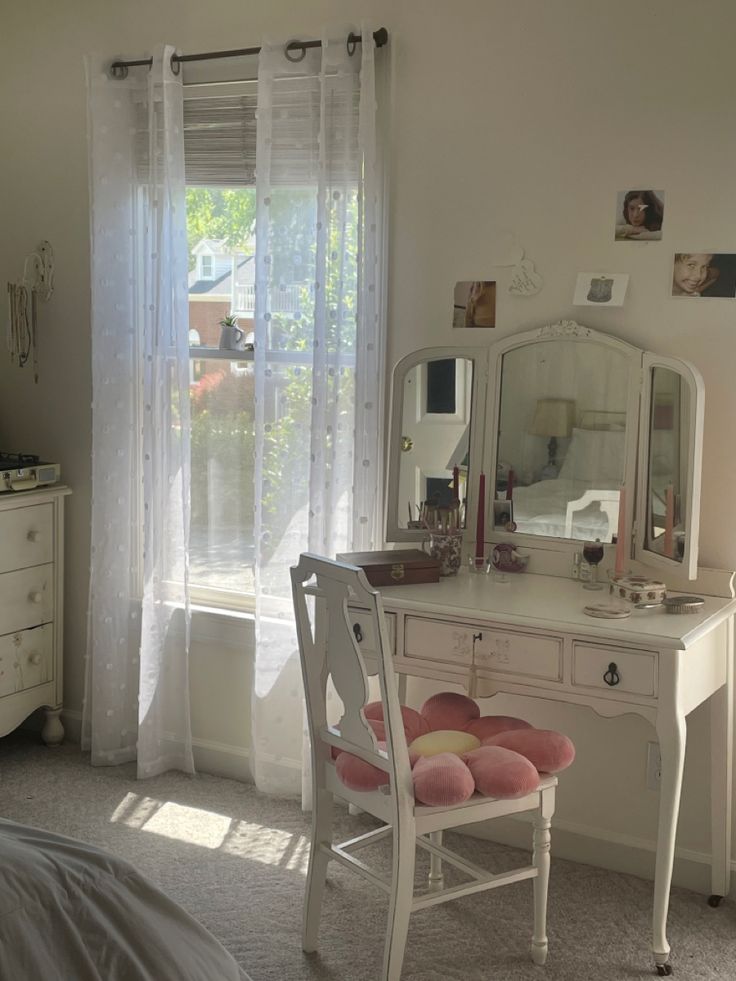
232	338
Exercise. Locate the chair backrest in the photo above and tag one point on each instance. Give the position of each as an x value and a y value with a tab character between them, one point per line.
328	649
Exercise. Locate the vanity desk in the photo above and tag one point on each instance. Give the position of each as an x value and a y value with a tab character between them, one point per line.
529	636
548	439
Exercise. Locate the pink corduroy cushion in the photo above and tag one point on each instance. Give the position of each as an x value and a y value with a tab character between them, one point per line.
449	710
359	775
499	772
442	780
491	725
414	724
547	750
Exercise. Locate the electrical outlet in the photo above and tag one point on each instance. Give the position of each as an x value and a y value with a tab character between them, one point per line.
654	766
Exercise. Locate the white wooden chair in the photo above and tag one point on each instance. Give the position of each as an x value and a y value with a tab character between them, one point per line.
329	648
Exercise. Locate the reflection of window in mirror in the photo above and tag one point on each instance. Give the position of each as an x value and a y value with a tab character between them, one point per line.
435	437
441	386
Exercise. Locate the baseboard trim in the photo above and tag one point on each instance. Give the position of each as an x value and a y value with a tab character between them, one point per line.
604	849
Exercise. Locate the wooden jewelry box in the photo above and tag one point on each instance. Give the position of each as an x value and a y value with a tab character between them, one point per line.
400	567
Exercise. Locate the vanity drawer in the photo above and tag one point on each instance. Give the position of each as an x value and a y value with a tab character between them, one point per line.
362	624
26	659
500	651
614	669
26	598
26	534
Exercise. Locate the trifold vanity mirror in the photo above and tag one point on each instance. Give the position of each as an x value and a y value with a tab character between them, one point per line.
572	422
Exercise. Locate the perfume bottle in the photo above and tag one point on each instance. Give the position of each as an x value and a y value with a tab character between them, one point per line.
575	571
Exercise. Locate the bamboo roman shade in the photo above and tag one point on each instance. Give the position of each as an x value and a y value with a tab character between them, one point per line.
220	141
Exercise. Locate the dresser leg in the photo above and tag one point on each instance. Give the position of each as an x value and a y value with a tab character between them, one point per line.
53	731
672	732
721	757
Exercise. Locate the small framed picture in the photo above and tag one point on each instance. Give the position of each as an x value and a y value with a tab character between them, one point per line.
600	289
639	216
704	274
503	515
475	304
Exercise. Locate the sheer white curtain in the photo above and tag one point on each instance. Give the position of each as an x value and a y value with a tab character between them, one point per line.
318	361
137	693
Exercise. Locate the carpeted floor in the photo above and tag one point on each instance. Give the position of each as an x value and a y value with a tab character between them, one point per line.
236	860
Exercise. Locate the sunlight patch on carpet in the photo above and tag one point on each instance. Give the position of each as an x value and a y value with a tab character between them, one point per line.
208	829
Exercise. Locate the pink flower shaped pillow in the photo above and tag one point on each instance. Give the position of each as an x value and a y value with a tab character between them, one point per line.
455	752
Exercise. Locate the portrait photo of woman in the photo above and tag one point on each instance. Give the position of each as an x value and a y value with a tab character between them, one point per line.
639	216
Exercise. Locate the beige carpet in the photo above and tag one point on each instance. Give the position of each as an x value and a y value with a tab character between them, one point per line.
236	860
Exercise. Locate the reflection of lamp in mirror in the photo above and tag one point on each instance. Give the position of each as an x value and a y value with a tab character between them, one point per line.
553	418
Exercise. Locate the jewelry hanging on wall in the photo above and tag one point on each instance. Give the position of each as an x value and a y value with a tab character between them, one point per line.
37	281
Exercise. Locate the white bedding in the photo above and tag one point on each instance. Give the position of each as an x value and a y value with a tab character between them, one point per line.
541	509
72	912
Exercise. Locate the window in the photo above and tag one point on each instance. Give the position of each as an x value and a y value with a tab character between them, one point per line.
221	400
207	267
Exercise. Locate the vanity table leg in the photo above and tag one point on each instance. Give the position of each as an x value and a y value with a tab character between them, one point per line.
672	734
721	763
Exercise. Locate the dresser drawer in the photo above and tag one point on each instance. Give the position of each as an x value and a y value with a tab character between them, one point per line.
614	669
26	659
499	651
26	598
26	534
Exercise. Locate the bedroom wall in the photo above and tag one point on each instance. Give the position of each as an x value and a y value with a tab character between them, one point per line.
511	123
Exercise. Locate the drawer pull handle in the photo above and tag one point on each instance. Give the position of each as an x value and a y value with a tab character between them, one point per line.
33	535
34	658
35	597
358	633
612	677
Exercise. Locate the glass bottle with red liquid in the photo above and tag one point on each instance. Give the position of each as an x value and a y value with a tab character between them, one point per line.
593	554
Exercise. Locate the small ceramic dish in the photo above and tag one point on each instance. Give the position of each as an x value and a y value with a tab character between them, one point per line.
637	589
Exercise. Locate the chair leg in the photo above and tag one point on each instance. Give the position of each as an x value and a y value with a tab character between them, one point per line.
436	875
317	869
540	860
402	894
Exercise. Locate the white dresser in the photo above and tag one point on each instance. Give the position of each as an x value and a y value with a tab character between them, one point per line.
31	608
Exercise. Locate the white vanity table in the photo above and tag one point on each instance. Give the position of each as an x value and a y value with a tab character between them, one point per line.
631	419
529	636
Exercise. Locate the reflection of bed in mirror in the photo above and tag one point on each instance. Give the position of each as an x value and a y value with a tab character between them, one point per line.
582	502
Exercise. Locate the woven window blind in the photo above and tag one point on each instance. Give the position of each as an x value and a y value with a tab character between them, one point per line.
220	141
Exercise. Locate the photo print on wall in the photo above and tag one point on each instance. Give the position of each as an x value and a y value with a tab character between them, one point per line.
639	216
474	304
704	274
600	289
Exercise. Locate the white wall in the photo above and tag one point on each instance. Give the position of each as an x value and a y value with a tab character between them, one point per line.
515	119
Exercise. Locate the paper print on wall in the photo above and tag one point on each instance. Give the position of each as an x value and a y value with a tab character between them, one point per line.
639	216
600	289
475	304
704	274
525	280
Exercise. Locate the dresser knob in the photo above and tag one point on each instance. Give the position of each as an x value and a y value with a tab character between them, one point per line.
358	633
34	658
33	535
612	677
35	597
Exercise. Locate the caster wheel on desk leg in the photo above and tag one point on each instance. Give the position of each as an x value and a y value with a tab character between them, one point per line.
714	901
664	970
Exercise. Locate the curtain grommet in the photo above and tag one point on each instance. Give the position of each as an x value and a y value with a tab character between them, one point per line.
295	51
175	64
118	71
352	43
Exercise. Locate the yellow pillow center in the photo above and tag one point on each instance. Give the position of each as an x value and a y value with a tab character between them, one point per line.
444	741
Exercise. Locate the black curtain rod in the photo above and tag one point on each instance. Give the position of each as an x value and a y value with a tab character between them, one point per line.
119	69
